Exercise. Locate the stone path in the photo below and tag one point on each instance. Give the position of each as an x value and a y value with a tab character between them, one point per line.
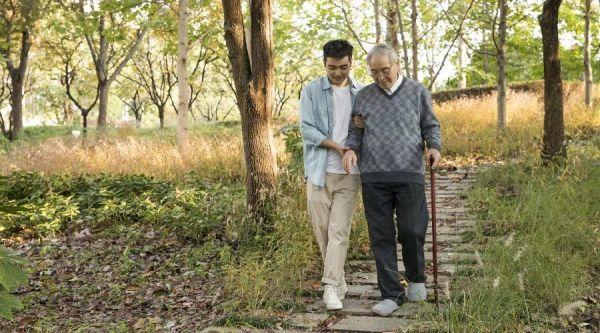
454	255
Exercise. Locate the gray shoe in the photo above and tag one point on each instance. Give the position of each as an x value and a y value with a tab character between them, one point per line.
385	307
416	292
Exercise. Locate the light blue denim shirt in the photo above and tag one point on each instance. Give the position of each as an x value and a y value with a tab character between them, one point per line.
316	125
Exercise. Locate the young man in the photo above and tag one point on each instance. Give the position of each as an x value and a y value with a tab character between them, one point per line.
398	122
325	110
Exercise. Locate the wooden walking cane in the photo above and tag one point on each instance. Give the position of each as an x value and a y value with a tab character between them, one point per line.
433	232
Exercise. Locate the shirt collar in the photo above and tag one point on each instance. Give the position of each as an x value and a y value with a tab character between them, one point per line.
325	84
395	85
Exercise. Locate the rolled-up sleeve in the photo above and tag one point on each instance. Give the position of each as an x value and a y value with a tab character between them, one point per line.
430	126
310	133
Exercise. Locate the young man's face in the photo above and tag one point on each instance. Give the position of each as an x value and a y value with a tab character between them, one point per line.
338	69
383	72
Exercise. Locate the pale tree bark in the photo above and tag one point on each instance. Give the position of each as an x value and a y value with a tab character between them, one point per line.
254	94
462	55
501	63
415	40
182	77
377	22
4	96
554	149
587	64
67	111
403	38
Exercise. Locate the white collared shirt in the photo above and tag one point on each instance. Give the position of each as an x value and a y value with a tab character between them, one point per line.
395	85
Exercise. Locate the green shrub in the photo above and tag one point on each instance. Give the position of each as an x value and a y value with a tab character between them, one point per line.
11	273
4	144
189	208
292	138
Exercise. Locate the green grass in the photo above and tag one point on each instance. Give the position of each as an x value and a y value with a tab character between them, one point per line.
552	217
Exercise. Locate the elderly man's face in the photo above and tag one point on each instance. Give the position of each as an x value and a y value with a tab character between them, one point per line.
383	72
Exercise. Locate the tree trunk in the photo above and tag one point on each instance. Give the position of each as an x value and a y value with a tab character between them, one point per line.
462	55
68	111
84	115
17	79
404	43
377	22
415	40
554	131
103	89
485	56
254	94
182	77
392	28
161	116
16	110
587	64
501	63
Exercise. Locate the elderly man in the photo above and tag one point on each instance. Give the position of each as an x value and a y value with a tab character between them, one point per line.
325	110
398	122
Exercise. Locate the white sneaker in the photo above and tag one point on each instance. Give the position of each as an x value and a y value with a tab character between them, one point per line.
330	298
341	290
416	292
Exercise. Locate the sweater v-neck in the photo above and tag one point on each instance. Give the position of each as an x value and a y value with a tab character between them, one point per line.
390	96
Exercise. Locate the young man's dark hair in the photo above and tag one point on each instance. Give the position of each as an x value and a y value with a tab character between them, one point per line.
337	49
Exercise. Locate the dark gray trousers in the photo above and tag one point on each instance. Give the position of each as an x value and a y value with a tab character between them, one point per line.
409	203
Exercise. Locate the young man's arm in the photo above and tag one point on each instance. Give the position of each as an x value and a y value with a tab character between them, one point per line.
310	133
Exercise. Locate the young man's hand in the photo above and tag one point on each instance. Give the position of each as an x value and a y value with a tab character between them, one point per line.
358	121
341	150
349	160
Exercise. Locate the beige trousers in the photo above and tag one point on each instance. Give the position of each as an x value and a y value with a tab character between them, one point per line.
330	209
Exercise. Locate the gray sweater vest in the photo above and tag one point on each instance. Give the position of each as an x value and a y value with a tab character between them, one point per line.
397	127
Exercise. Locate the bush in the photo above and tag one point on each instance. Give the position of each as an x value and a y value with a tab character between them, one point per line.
292	138
189	208
4	144
11	273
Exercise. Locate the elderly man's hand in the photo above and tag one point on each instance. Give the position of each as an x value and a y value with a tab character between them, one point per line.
358	121
349	160
435	154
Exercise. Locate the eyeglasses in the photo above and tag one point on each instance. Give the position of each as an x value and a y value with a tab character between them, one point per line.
384	71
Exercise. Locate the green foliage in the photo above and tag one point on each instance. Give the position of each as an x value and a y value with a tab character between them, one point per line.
551	216
11	274
267	272
189	208
292	138
4	144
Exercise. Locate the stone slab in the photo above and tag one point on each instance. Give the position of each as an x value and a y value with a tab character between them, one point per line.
370	324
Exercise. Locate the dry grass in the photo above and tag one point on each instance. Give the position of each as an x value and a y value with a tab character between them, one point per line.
468	126
216	157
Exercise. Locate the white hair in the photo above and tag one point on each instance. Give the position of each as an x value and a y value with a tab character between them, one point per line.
383	49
